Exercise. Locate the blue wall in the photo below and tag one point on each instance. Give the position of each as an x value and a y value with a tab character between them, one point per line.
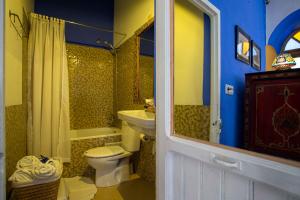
98	13
146	46
286	27
250	15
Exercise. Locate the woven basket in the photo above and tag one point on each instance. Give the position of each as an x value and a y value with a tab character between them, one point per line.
45	191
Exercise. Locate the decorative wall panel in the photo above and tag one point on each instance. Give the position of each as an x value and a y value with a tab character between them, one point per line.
272	113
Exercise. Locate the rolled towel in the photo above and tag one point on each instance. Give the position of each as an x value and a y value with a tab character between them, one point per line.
30	170
21	176
28	162
43	171
57	163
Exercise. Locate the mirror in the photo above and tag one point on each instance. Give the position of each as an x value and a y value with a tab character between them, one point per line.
271	128
145	62
192	63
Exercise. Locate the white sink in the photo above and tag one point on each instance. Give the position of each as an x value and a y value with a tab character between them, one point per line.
139	120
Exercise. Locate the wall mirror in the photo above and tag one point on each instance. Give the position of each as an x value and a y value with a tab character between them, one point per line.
272	133
145	62
192	98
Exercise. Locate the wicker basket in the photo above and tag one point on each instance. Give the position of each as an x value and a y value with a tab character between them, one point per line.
45	191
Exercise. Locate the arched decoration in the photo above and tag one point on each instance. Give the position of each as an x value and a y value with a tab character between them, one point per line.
284	30
292	44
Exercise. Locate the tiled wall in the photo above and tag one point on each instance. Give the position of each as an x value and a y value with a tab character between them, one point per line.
78	165
192	121
91	86
126	76
146	163
16	123
97	90
146	76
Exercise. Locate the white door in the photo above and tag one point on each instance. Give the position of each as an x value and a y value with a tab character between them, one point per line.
2	114
190	170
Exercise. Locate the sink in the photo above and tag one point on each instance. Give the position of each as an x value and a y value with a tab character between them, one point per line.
139	120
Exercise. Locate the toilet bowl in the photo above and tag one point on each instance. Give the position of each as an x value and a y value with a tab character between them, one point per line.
112	162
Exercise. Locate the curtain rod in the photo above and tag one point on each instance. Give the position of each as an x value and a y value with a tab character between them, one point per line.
94	27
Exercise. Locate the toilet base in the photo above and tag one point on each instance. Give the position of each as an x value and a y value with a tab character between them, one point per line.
110	177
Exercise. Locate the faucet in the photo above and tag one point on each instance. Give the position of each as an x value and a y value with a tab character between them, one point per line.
149	105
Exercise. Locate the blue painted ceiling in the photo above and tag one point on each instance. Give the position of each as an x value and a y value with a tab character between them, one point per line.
93	12
147	42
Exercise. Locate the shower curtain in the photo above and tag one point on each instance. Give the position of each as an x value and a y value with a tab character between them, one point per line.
48	99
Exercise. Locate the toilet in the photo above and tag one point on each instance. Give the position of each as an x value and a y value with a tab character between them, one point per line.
112	162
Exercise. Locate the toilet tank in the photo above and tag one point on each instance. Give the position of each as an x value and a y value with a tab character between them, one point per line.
130	138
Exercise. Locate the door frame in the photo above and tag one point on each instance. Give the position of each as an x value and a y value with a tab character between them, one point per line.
215	66
2	108
257	167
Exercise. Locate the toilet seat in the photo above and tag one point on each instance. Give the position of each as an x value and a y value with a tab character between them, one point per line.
104	152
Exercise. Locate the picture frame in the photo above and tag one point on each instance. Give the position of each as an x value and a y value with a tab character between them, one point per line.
242	46
255	56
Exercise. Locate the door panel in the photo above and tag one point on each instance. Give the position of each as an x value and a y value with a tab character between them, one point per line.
236	187
193	170
211	177
263	191
191	176
196	180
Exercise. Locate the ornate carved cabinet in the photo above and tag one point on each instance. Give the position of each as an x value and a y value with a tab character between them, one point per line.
272	113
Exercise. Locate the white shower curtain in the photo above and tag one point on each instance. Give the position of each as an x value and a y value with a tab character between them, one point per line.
48	99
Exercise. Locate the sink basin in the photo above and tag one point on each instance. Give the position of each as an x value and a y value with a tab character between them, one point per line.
139	120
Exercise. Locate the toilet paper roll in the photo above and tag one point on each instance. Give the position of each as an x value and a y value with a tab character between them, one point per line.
144	138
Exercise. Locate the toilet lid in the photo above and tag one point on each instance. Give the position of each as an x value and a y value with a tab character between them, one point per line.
101	152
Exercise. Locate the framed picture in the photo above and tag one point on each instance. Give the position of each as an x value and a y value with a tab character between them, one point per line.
255	56
242	45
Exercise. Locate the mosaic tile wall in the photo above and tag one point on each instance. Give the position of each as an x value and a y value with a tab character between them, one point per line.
192	121
126	74
147	162
91	86
16	123
147	76
78	165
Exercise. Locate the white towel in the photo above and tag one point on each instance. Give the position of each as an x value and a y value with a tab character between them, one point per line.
31	171
28	162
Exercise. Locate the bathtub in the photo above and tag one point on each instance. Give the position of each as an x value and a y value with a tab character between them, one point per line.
82	134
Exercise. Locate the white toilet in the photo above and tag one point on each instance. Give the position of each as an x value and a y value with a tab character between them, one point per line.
112	162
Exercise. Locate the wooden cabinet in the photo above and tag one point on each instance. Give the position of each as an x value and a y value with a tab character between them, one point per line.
272	113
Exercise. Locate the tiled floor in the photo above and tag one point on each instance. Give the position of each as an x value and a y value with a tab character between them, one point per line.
135	189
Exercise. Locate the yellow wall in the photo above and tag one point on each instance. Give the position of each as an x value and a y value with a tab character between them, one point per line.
188	53
13	52
130	15
270	56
